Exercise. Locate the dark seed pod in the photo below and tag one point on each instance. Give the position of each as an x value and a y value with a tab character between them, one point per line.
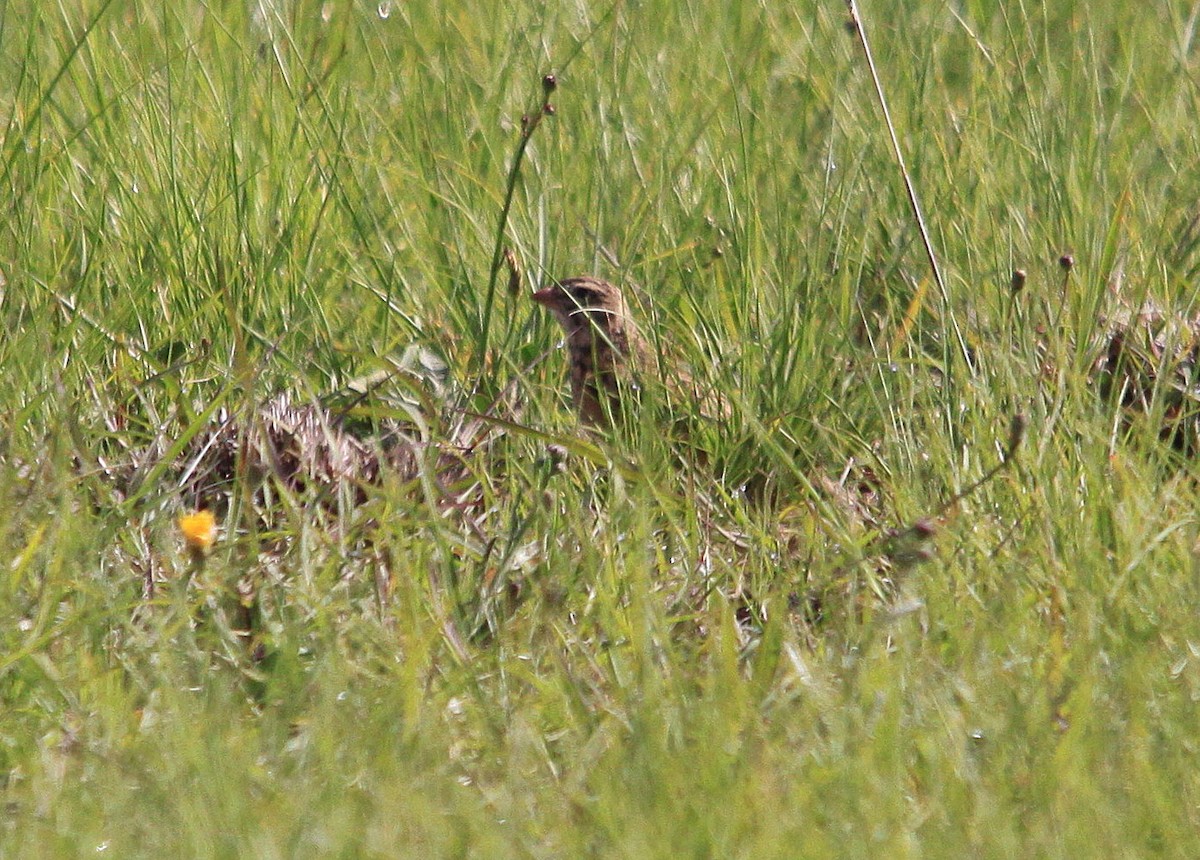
1016	432
514	271
923	529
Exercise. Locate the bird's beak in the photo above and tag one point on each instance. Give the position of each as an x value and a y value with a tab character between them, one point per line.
546	297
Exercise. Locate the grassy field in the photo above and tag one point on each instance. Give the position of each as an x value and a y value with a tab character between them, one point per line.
797	645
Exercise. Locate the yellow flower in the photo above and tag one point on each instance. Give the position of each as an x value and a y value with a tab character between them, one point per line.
199	531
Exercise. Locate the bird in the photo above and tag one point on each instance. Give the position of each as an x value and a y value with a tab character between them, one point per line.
606	350
612	363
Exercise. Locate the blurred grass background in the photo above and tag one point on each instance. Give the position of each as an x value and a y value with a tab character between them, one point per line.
209	203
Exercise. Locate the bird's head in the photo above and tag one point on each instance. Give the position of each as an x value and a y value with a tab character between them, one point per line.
584	304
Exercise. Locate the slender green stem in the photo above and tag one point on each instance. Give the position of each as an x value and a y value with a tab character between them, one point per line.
909	188
529	124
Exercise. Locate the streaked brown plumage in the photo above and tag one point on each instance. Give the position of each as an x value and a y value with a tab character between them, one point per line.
611	360
606	349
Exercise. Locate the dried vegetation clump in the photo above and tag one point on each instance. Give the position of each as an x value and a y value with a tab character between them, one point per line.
1149	366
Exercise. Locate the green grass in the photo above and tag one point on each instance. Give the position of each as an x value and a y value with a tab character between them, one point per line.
205	205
